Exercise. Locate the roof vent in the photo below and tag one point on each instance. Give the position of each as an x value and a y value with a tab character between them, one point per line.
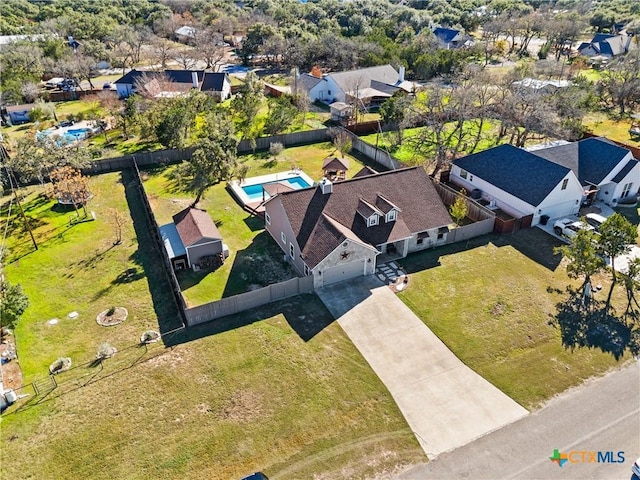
326	186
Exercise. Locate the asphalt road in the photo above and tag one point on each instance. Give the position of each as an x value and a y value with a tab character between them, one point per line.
602	415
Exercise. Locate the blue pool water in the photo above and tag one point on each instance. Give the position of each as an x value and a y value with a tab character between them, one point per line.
254	192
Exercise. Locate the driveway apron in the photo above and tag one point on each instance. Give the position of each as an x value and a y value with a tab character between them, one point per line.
445	403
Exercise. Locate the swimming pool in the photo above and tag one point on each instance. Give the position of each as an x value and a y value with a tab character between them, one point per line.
250	192
254	192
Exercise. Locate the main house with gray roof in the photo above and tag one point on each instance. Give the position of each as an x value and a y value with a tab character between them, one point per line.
553	181
368	85
335	231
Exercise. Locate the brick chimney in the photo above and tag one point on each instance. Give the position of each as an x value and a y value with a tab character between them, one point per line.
316	72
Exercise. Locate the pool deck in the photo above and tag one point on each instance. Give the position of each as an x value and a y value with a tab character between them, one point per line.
258	206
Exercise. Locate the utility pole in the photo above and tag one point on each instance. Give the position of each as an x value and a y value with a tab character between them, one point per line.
4	156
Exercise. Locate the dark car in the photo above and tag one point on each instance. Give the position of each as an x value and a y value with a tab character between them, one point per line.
256	476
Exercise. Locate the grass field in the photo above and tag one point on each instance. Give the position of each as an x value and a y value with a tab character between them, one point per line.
492	302
407	153
281	389
248	243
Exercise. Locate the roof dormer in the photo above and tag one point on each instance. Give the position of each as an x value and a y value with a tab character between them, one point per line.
389	209
369	213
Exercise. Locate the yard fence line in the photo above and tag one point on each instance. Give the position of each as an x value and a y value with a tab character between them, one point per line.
373	153
177	155
483	218
245	301
159	244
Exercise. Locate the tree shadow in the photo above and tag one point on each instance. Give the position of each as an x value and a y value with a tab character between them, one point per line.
150	259
591	324
254	223
531	242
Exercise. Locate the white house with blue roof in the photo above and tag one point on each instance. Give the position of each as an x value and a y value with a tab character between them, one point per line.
606	171
519	183
554	181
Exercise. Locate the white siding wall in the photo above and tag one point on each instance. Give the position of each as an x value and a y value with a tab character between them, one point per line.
505	201
558	203
322	89
632	177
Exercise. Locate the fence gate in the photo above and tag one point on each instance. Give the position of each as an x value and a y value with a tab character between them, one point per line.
44	386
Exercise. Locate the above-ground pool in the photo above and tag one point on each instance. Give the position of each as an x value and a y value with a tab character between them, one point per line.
252	192
255	192
65	134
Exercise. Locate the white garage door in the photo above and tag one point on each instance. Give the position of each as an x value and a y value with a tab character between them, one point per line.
343	272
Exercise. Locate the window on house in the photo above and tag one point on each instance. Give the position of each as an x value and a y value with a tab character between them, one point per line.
283	237
373	220
626	190
292	250
307	270
463	174
267	218
391	216
565	182
421	237
328	92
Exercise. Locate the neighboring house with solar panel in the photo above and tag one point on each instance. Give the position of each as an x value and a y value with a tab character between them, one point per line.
551	181
335	231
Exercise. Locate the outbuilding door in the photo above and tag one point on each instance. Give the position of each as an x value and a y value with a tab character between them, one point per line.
343	272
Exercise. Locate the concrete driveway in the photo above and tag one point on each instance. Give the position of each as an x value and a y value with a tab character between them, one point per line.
445	403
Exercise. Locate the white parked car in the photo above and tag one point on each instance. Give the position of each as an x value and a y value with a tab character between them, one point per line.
569	227
595	220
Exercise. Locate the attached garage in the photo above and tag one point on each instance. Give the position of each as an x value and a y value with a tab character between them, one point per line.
343	272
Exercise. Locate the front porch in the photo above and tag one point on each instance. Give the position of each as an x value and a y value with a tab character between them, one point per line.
392	250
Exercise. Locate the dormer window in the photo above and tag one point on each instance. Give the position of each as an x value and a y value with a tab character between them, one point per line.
373	220
391	216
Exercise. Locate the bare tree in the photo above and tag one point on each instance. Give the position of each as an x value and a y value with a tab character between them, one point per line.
30	92
162	50
70	186
209	47
117	220
185	57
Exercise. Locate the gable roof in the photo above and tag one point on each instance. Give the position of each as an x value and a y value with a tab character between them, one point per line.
591	159
311	213
306	81
626	169
194	225
511	169
445	35
213	82
351	80
176	76
335	163
607	44
365	172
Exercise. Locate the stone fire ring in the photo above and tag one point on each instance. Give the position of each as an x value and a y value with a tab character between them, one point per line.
118	316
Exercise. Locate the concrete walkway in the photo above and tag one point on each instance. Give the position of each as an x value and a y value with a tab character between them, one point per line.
445	403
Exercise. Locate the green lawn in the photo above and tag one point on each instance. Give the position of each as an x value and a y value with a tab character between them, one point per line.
616	129
491	302
407	154
279	389
255	258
